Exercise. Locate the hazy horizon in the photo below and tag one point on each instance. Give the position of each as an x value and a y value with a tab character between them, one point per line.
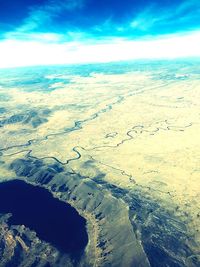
84	31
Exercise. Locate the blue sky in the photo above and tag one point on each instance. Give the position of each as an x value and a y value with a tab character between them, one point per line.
90	22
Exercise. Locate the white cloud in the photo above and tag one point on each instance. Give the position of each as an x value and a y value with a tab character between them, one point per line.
15	53
146	19
41	15
39	37
151	16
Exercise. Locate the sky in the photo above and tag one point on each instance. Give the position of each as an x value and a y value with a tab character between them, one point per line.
40	32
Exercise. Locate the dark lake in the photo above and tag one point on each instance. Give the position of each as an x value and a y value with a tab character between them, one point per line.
54	221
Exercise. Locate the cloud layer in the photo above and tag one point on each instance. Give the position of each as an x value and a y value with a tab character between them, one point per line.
68	31
29	53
